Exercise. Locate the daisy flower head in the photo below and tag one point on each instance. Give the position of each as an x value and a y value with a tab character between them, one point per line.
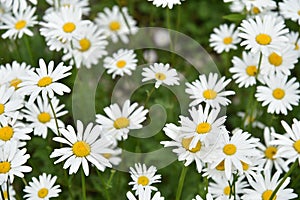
263	34
293	40
85	146
12	162
17	4
78	4
280	94
161	73
116	23
251	119
40	116
164	3
209	90
204	126
121	120
290	9
224	38
259	6
44	81
143	177
122	62
18	24
8	191
42	188
145	195
263	187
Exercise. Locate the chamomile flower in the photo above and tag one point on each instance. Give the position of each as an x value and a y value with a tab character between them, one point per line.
161	73
145	195
204	126
293	40
122	62
115	157
116	23
85	146
12	162
263	187
164	3
10	191
263	34
41	117
143	177
245	70
42	188
290	9
44	81
121	120
17	4
224	38
258	6
18	24
209	90
280	94
78	4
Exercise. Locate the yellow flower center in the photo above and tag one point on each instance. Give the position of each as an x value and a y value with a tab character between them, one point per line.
298	12
186	144
296	146
85	44
160	76
275	59
267	194
45	81
44	117
203	128
227	40
245	166
6	133
81	149
121	122
270	152
69	27
106	155
278	93
229	149
209	94
15	82
42	193
114	26
121	63
66	5
2	108
4	167
227	190
296	46
221	166
20	24
5	195
255	10
251	70
143	180
263	39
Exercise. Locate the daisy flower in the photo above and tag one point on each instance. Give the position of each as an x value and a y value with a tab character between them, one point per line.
161	73
204	126
10	191
45	81
77	4
19	23
251	119
17	4
263	34
209	90
245	70
122	62
224	38
143	178
120	120
41	117
290	9
263	187
164	3
145	195
115	157
258	6
42	188
12	162
294	41
279	94
116	23
85	145
150	56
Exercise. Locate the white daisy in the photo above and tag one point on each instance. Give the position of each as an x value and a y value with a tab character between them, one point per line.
161	73
224	38
145	195
42	188
18	4
122	62
116	23
290	9
41	117
78	4
263	34
19	23
294	41
164	3
120	120
259	5
143	178
216	172
45	81
10	191
115	157
263	187
251	119
150	56
209	90
85	145
279	94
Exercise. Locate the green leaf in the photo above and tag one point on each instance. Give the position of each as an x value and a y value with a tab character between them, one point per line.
234	17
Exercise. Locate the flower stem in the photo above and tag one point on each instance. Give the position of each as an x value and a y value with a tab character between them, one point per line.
83	185
181	182
54	115
149	95
105	184
292	168
28	49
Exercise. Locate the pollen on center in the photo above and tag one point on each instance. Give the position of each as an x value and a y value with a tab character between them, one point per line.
203	128
81	149
263	39
121	122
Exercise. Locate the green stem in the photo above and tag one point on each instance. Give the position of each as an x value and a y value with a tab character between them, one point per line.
104	184
54	115
2	193
24	181
83	185
7	189
69	184
149	95
181	182
28	49
292	168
